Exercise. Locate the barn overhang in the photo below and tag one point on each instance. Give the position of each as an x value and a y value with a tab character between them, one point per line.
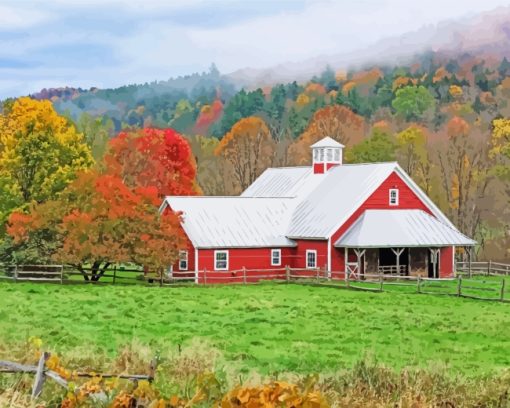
400	229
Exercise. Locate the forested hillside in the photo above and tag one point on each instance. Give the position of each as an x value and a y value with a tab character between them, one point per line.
443	118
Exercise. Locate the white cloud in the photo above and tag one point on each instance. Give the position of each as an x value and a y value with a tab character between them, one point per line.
20	16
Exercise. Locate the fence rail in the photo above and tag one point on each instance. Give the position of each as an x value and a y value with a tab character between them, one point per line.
483	268
41	372
486	287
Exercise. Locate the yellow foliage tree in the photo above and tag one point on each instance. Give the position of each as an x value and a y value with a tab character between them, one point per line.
500	145
455	91
249	148
40	153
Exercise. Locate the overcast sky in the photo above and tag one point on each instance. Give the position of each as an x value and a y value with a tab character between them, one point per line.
108	43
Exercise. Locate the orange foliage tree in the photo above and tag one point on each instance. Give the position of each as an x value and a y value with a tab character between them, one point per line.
209	114
337	122
160	158
111	215
98	221
249	148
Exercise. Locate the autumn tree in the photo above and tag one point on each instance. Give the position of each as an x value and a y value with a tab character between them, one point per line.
98	221
465	174
160	158
500	146
40	153
413	155
249	148
411	102
337	122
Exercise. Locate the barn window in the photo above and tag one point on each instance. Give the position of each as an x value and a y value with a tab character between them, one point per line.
329	155
393	196
183	260
311	258
220	260
321	155
276	257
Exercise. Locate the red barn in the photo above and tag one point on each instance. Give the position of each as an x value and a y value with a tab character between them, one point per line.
355	218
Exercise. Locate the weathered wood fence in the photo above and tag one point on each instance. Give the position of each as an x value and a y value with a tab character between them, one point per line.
483	268
480	282
41	373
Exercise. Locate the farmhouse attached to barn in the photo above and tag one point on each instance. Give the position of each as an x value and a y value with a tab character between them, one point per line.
354	218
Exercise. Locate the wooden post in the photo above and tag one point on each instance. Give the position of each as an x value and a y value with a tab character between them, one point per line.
469	262
61	274
418	285
459	286
318	272
160	277
489	266
347	273
287	273
114	274
244	275
205	276
39	376
502	295
16	273
380	283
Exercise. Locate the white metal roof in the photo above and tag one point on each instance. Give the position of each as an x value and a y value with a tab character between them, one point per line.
235	222
284	182
400	228
334	200
327	142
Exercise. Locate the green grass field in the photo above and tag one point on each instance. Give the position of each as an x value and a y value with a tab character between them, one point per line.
268	328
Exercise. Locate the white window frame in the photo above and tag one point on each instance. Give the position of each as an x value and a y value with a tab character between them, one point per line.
216	253
279	252
314	252
390	201
183	260
321	155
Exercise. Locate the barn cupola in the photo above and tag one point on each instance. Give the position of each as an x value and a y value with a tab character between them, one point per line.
326	153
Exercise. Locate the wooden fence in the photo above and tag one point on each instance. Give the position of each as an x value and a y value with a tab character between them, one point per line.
489	268
471	285
41	373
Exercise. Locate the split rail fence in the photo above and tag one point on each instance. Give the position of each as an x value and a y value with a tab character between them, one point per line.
478	282
41	373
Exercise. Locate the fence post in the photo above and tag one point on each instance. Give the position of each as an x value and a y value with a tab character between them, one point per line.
418	284
16	273
39	376
287	273
380	283
502	296
205	276
244	275
489	267
114	273
347	279
318	271
61	274
459	286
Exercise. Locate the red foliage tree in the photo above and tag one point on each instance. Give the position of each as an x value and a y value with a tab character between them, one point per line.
208	115
160	158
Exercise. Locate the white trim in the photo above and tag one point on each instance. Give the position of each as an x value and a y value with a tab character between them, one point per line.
196	265
329	257
311	251
390	198
180	260
225	251
279	251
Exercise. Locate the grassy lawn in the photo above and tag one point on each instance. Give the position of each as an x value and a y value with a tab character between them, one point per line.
267	327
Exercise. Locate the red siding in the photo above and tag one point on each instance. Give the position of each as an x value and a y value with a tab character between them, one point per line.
299	256
318	168
446	262
378	200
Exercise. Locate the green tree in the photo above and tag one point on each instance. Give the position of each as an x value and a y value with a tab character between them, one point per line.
412	101
379	147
